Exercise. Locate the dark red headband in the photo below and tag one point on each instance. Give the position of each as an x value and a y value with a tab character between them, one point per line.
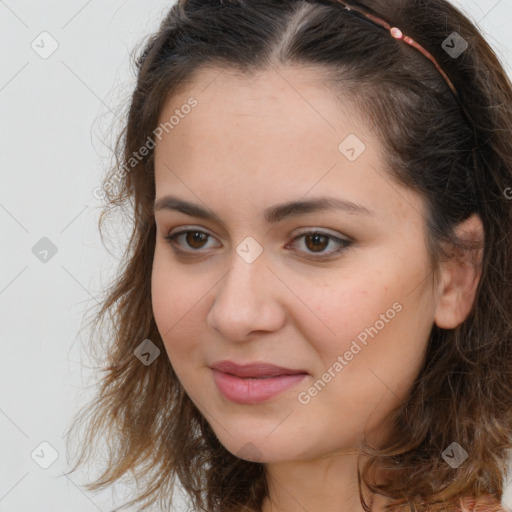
398	34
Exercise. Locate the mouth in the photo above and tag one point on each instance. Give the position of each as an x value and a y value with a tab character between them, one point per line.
257	370
254	383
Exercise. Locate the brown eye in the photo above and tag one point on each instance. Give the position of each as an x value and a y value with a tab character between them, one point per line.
316	241
195	239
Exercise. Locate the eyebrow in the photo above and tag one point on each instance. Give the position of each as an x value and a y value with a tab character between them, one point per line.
272	214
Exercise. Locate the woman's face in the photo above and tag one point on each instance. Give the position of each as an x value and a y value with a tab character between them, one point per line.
254	287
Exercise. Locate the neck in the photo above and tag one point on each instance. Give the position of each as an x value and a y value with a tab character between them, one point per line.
322	485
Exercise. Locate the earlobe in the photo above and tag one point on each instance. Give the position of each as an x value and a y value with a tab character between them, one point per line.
460	276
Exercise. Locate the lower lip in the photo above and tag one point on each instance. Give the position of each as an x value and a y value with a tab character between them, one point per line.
253	391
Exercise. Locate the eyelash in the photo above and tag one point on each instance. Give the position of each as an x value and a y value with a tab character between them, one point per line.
171	240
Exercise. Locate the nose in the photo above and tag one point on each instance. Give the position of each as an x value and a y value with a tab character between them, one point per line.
247	301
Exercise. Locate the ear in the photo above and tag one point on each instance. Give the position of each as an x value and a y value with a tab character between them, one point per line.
460	276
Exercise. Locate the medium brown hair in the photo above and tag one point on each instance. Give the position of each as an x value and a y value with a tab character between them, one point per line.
463	392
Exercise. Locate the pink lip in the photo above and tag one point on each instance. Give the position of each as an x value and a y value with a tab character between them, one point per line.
244	384
257	369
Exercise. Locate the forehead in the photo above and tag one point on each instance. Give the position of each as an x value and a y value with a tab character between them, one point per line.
294	97
274	135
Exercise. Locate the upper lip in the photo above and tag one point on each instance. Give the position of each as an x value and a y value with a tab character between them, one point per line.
258	369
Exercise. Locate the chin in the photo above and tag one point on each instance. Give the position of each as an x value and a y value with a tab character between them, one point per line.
262	448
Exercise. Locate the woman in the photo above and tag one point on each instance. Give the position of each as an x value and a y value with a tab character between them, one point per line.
315	308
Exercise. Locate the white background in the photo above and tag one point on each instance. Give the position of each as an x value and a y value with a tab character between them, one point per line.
55	118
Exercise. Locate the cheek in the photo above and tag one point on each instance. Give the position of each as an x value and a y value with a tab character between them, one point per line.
373	322
162	294
339	313
182	296
381	335
169	302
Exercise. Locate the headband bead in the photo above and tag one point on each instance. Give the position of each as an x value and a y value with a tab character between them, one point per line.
396	33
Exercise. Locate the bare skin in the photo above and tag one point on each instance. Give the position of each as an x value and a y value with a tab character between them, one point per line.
251	143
